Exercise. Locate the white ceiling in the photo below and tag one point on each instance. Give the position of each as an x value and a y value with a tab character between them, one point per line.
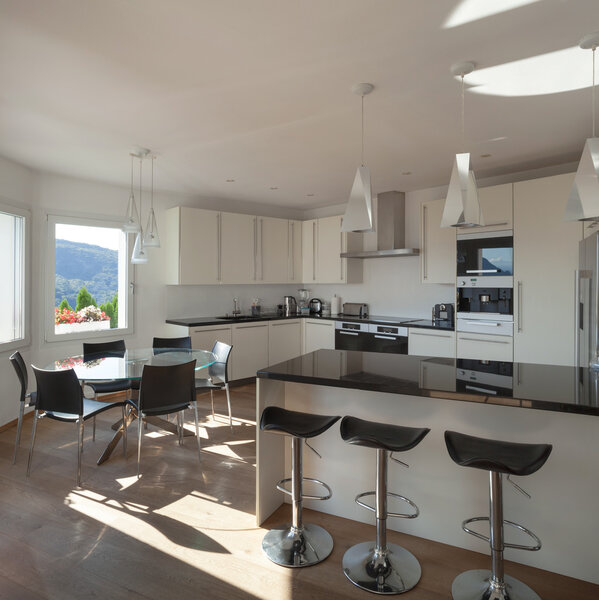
260	91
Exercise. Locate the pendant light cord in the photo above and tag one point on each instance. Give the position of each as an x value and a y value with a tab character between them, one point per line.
152	191
362	130
132	174
463	117
140	212
593	90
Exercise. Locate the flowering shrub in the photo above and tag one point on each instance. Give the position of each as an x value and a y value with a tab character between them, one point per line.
89	313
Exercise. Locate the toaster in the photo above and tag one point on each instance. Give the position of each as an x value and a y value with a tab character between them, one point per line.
355	309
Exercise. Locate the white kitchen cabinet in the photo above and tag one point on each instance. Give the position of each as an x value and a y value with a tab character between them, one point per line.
204	338
552	383
273	250
284	340
294	240
437	245
497	207
438	374
480	346
545	261
322	244
192	242
250	347
431	342
238	248
590	227
318	334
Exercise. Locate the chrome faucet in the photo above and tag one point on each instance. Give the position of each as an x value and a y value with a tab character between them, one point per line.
236	310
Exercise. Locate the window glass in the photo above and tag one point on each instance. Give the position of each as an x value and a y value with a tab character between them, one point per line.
12	275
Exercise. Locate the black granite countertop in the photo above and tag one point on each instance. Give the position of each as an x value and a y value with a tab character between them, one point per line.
403	321
523	385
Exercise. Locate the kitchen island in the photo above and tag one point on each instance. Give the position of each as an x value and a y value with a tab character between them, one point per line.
507	401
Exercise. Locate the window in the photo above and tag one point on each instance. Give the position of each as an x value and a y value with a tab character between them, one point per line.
88	278
13	234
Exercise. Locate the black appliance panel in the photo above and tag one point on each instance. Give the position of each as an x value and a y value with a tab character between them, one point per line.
486	300
485	256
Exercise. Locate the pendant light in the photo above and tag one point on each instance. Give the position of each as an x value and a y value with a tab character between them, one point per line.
132	222
358	214
462	208
140	255
151	238
583	203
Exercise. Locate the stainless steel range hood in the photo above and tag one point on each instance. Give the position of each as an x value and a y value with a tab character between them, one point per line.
390	229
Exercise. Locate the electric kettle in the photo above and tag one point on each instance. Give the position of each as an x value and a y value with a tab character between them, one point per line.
315	306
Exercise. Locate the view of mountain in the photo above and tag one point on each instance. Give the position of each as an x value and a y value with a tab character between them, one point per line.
79	264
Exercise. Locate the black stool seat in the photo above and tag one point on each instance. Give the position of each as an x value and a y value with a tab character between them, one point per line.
494	455
394	438
295	423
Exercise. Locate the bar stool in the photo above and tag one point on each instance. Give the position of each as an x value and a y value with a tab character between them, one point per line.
299	544
498	458
377	566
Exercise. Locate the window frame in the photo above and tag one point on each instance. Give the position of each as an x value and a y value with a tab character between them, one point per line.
52	219
21	211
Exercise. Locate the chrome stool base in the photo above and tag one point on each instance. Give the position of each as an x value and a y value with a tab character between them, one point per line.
476	585
291	547
393	572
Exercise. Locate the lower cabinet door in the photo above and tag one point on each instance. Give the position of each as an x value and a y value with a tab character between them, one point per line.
204	338
250	349
428	342
318	334
485	347
284	340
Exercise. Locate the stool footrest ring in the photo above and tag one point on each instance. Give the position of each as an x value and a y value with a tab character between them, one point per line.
506	545
281	488
389	514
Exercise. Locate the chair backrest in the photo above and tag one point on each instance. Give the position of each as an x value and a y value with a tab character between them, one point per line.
170	385
220	368
58	391
16	360
104	349
178	342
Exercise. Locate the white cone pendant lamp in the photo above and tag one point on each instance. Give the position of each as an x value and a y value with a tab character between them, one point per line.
358	214
583	203
132	223
462	207
151	238
140	255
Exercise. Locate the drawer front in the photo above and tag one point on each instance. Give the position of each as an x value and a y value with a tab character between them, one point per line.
485	347
422	342
490	327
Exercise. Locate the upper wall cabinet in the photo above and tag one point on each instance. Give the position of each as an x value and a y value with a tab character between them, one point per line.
294	272
238	248
322	244
192	243
438	245
497	206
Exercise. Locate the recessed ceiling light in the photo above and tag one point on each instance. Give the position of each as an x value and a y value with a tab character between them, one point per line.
485	155
230	180
406	172
309	195
274	188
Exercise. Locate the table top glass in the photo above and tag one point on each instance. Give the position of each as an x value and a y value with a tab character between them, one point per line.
129	365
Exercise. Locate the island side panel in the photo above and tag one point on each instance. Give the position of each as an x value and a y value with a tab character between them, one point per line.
270	451
562	511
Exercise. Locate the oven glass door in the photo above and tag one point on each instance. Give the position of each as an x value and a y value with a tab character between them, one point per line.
485	257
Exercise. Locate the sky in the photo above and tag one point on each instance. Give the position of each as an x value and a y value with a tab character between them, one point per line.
99	236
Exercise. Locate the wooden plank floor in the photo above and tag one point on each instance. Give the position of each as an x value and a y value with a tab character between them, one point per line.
182	530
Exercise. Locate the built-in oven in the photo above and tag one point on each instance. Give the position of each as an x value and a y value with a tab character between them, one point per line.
373	337
485	259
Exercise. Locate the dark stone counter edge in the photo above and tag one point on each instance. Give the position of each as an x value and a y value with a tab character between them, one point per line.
397	321
411	390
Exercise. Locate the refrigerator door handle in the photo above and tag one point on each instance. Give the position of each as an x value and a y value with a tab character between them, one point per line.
577	318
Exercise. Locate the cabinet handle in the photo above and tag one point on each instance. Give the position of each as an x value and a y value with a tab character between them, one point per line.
210	330
314	251
348	332
286	323
495	224
325	324
424	248
483	341
255	244
479	389
249	326
429	335
290	247
519	306
261	249
219	245
342	250
386	337
577	318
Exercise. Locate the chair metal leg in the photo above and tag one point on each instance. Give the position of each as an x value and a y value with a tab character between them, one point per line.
212	402
139	426
93	429
195	412
180	427
229	404
33	429
125	430
19	426
79	449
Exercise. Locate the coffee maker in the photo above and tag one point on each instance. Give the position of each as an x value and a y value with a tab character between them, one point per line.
443	312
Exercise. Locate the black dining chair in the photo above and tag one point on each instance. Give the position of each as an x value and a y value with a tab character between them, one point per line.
60	397
218	376
26	400
165	390
176	342
105	350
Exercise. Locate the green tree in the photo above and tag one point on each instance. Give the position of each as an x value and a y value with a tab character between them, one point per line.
84	298
64	304
111	309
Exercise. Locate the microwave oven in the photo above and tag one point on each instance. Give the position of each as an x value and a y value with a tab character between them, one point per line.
485	259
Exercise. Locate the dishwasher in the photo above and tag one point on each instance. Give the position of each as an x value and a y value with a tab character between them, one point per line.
371	337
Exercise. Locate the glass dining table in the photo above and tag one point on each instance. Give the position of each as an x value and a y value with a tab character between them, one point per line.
128	365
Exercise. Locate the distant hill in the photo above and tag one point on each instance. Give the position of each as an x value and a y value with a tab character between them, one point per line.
79	264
